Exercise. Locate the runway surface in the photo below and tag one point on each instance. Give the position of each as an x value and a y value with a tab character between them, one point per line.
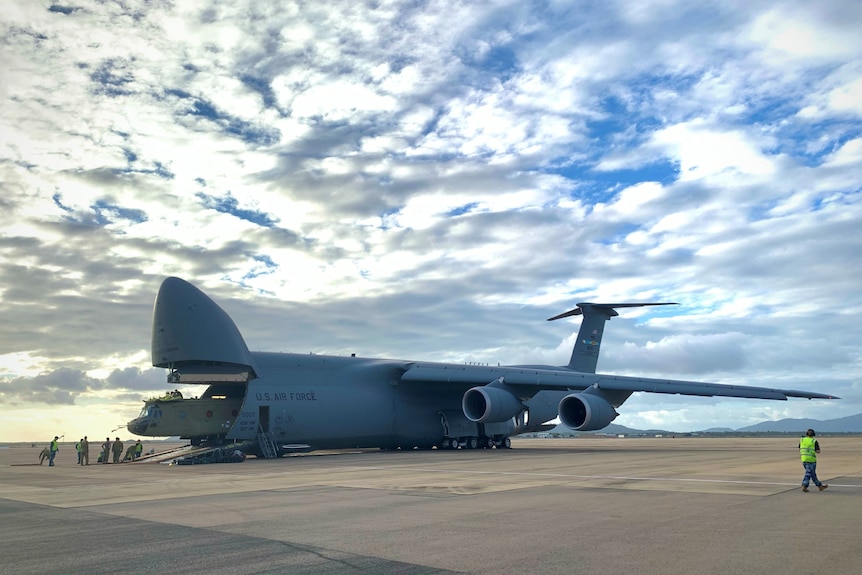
586	505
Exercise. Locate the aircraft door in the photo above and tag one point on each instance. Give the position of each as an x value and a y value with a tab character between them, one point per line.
263	418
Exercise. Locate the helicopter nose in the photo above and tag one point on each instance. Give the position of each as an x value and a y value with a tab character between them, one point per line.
138	426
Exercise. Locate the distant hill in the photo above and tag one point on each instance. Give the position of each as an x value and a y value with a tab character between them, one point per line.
612	429
850	424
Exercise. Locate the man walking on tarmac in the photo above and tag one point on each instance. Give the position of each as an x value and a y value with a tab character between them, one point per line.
808	450
54	448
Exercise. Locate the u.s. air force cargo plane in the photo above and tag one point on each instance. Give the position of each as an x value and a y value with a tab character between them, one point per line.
284	402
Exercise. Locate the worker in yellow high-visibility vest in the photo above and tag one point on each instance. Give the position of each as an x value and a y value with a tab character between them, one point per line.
53	449
808	450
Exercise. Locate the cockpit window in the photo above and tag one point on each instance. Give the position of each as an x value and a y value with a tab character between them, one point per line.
150	411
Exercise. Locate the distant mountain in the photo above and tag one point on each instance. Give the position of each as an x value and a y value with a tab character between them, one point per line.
623	430
850	424
612	429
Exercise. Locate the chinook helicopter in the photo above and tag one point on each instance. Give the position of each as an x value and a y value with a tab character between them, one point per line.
208	417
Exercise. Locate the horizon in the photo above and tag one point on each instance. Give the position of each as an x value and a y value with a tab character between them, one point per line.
170	439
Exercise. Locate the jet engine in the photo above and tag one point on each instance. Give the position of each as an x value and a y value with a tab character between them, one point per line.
488	404
586	412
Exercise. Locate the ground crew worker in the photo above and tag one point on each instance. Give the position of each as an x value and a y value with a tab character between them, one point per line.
139	448
130	453
54	448
808	450
106	449
85	452
118	450
78	449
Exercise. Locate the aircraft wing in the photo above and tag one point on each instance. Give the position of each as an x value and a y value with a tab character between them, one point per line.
528	381
616	382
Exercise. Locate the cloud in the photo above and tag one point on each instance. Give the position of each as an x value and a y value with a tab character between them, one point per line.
433	179
56	388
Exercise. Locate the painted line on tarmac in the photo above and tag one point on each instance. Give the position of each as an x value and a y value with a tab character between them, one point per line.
606	477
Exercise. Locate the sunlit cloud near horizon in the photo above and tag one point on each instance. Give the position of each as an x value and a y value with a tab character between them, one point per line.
432	181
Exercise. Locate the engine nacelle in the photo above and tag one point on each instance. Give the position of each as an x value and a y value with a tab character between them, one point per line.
488	404
586	412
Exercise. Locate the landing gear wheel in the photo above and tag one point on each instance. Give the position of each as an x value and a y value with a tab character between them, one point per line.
453	443
490	443
507	443
473	443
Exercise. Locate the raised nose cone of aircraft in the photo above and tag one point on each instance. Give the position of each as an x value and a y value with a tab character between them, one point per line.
190	327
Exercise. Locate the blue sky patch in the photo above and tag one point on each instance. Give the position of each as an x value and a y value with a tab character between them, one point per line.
247	131
461	210
113	78
229	205
109	213
57	202
103	213
62	9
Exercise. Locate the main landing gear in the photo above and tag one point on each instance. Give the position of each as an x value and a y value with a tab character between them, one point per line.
472	442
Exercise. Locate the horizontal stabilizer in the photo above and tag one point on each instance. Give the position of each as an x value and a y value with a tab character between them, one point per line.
606	308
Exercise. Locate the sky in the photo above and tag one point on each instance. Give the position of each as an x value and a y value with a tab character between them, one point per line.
432	181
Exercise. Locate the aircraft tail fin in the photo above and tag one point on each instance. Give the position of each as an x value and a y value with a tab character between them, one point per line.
585	354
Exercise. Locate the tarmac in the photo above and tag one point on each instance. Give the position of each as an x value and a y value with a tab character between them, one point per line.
586	505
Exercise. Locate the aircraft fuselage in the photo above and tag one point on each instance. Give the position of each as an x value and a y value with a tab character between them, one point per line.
325	402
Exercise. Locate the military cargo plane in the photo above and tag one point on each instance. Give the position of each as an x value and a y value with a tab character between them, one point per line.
285	402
